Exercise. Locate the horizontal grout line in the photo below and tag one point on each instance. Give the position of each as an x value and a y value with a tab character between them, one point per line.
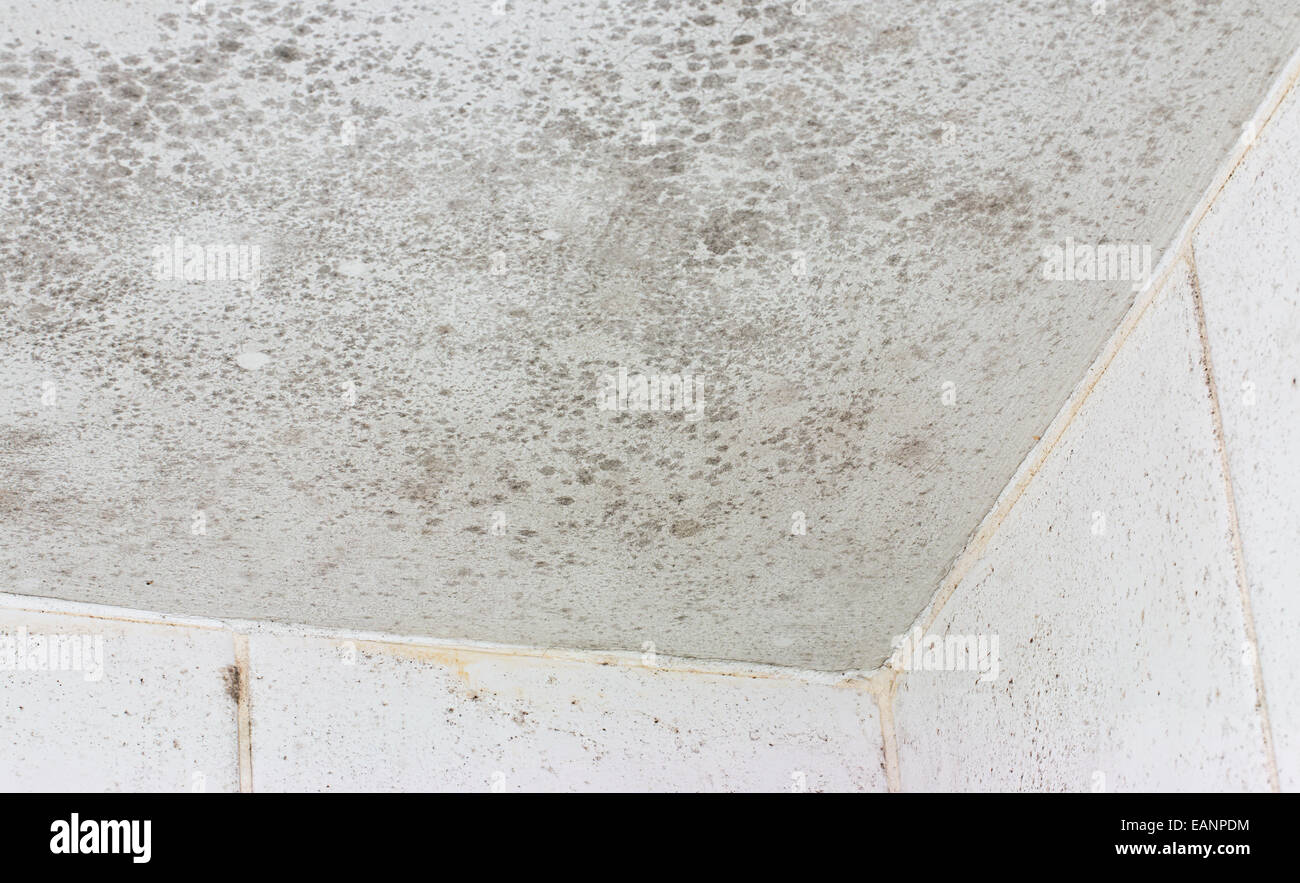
862	680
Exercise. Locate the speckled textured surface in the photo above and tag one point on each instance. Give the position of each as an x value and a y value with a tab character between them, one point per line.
461	231
150	710
344	716
1248	259
1123	656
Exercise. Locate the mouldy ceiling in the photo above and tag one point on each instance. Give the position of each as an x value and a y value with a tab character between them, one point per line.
465	221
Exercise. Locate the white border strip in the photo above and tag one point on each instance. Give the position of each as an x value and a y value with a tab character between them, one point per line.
662	662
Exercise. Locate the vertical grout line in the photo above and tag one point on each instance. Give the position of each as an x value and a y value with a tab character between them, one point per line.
1234	527
884	686
244	717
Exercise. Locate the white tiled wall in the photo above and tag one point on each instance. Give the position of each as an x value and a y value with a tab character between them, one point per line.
1248	259
336	716
157	715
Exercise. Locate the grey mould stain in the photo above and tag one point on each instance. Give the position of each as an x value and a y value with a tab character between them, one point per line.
465	220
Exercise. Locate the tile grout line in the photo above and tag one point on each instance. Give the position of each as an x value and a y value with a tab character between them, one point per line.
1234	526
680	664
244	716
883	687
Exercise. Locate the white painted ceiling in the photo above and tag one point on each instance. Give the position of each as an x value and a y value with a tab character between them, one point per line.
466	220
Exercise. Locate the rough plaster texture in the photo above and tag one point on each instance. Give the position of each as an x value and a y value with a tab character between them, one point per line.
161	717
1248	260
333	715
350	426
1124	662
